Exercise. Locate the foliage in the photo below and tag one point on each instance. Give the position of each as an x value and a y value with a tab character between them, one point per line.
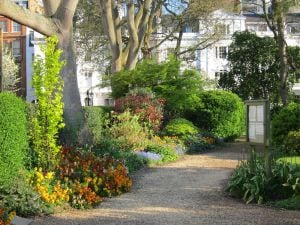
148	108
128	132
95	120
291	160
179	89
13	137
221	113
21	198
10	71
181	128
48	119
253	67
285	121
168	154
6	217
290	203
90	177
250	182
293	142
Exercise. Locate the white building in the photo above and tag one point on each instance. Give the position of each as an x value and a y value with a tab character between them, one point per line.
212	61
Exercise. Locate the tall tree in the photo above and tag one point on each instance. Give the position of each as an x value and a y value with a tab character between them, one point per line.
57	20
276	21
253	66
125	48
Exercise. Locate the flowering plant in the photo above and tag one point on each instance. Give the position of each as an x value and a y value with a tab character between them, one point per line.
90	177
6	217
50	189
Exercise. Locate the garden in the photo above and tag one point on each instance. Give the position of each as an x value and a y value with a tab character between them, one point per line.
160	113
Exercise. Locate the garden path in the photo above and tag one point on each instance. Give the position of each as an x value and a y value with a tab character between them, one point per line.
189	191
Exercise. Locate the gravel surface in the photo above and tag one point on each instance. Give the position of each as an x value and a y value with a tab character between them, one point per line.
189	191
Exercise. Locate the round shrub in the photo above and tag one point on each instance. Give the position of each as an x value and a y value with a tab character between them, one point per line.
221	113
285	121
181	128
13	137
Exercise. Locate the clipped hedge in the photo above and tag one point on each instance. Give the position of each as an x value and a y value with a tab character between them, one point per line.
221	113
13	137
285	125
181	128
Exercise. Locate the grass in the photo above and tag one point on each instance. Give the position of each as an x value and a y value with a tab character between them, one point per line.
290	203
293	160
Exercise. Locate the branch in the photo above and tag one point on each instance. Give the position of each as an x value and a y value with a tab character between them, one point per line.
40	23
51	6
65	13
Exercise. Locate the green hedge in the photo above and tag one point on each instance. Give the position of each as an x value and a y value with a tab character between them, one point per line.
285	121
13	137
221	113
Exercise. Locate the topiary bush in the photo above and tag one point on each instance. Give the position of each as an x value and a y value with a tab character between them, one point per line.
13	137
285	121
181	128
221	113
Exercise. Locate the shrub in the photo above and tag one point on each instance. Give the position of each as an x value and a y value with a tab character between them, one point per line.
13	137
179	89
127	131
221	113
149	109
95	119
181	128
293	142
48	118
168	154
285	121
202	141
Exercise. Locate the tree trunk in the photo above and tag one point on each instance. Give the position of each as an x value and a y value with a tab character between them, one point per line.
73	113
283	61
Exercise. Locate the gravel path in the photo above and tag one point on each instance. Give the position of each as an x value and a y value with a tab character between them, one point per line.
189	191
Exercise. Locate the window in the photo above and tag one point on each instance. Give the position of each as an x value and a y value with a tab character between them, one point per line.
31	38
221	52
22	3
223	28
295	29
3	24
220	75
16	48
262	27
88	74
16	27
